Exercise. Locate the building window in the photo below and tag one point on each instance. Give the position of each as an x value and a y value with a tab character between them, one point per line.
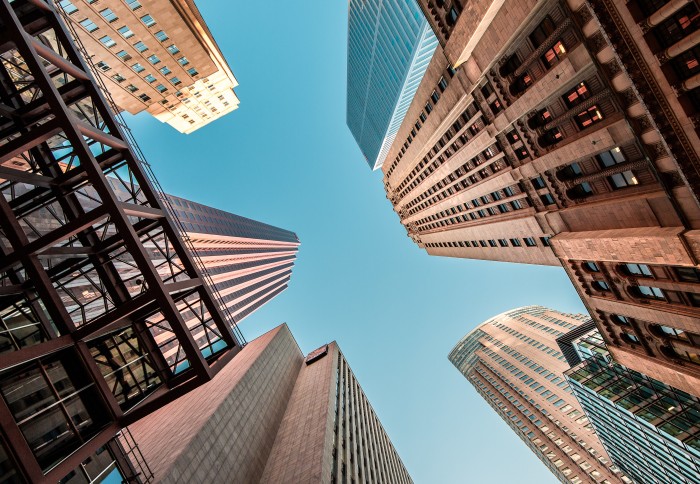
103	66
150	78
118	77
132	88
161	36
123	55
67	6
164	70
140	46
133	4
515	242
183	61
600	285
687	274
153	59
55	405
553	55
175	81
435	96
161	88
545	241
89	25
576	95
148	21
108	15
591	266
620	320
442	84
542	31
453	14
547	199
144	97
538	183
629	338
530	242
125	32
138	68
192	71
422	117
107	41
589	117
172	48
637	270
428	107
649	292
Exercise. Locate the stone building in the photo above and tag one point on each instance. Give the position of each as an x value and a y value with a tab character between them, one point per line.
563	133
157	56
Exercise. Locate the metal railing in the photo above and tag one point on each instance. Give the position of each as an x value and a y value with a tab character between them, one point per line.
131	451
129	137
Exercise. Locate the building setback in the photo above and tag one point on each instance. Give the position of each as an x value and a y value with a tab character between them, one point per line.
273	416
650	429
567	136
512	360
156	56
389	47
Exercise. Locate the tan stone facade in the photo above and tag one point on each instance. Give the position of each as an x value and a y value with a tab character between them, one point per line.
272	416
563	133
514	362
157	56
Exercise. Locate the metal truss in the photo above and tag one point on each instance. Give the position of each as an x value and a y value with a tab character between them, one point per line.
92	265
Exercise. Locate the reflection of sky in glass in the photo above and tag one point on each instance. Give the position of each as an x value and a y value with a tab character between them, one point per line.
113	477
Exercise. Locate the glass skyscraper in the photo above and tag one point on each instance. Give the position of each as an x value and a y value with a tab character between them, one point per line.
390	44
649	429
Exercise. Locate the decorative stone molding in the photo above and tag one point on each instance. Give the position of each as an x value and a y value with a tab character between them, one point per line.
544	47
578	109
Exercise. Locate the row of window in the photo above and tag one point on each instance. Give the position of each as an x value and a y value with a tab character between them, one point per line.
435	96
429	159
528	241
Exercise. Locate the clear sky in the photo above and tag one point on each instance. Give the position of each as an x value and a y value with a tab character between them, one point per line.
286	157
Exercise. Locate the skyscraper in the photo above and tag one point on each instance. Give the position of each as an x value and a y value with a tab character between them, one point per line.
250	262
567	136
513	362
389	47
106	314
650	429
272	416
156	56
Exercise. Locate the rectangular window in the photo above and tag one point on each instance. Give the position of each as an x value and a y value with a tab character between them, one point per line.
435	96
547	199
132	88
161	88
576	95
172	48
144	98
118	77
538	183
103	66
192	71
133	4
140	46
161	36
175	81
108	15
125	32
153	59
589	117
530	242
123	55
183	61
67	6
442	84
107	41
164	70
138	68
428	107
89	25
148	21
150	78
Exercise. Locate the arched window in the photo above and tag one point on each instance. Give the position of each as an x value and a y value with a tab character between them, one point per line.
600	285
629	338
591	266
691	356
620	320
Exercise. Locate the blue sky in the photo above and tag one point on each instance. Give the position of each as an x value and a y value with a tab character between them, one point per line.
286	157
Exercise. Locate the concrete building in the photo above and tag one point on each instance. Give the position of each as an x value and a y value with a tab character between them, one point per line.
271	416
512	360
156	56
389	47
649	429
565	133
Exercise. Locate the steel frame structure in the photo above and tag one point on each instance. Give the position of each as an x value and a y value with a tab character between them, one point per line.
92	265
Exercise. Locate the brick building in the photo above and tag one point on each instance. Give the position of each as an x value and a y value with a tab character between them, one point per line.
563	133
